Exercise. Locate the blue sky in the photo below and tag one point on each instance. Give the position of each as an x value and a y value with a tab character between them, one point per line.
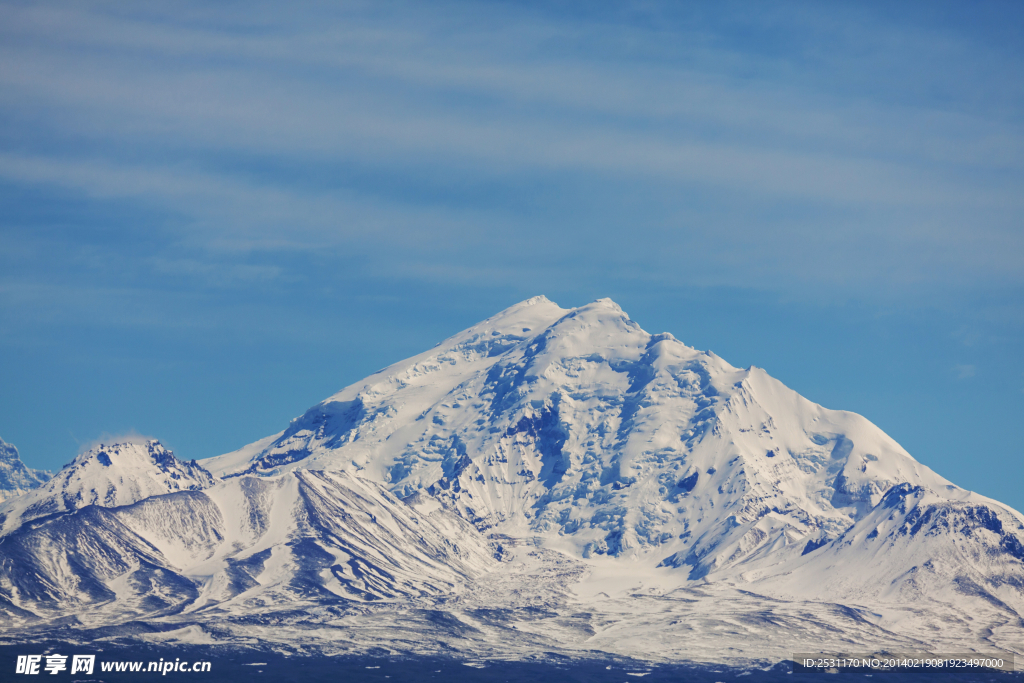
212	217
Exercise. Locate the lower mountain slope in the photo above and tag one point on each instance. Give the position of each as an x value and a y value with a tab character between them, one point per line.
303	537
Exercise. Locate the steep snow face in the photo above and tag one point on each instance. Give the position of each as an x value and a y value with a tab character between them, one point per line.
108	476
15	477
580	426
306	537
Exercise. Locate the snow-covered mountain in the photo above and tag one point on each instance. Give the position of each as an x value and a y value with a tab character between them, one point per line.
915	546
300	537
15	477
578	424
578	428
548	479
108	475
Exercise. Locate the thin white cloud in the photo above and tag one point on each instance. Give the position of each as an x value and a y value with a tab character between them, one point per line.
232	213
196	111
399	101
965	371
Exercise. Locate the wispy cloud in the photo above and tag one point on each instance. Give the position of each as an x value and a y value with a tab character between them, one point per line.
811	155
965	371
406	94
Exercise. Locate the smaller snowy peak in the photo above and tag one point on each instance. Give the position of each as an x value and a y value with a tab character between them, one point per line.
107	475
15	477
918	544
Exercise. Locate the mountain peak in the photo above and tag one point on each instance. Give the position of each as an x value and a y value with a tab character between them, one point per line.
125	450
8	452
15	477
579	424
520	318
122	472
604	302
539	299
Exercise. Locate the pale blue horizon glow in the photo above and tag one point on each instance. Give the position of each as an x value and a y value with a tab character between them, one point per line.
213	217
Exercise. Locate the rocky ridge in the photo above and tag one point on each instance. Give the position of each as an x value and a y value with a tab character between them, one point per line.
15	477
